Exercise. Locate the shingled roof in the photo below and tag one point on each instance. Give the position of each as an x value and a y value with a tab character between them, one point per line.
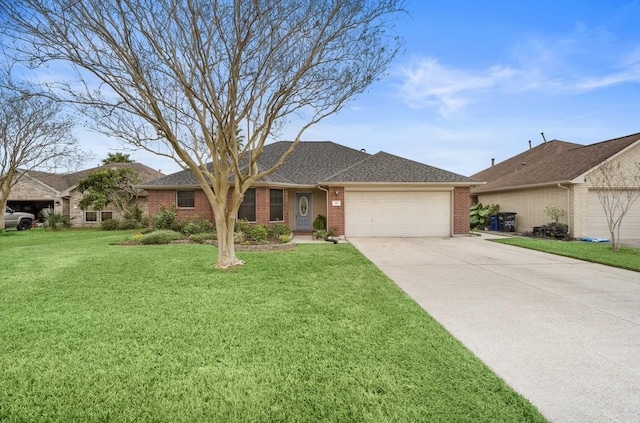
64	182
549	163
314	162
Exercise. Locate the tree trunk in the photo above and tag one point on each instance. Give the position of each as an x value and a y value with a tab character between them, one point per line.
3	204
4	196
225	225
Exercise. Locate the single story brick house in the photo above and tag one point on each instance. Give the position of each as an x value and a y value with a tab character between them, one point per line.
556	173
360	194
37	191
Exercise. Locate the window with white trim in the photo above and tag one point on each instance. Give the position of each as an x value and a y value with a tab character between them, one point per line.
90	216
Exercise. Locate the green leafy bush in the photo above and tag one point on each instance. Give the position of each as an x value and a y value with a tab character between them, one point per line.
134	213
196	225
166	219
284	238
320	223
259	233
239	237
110	225
55	221
160	237
480	216
280	229
321	234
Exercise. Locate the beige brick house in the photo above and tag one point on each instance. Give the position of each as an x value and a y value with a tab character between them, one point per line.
556	173
39	191
361	194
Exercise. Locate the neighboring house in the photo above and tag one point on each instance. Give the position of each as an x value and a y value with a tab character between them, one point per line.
556	173
362	195
39	191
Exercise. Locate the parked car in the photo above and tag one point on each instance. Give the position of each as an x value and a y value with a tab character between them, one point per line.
19	220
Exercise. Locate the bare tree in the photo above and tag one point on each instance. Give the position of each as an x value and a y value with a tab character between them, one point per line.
618	187
34	134
181	78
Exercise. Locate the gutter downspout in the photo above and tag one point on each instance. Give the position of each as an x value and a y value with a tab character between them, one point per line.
568	207
326	192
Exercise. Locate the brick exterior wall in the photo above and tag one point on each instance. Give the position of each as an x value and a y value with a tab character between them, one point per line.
202	208
335	219
263	205
461	204
168	198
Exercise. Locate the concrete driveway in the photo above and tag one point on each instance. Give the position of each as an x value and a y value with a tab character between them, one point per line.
562	332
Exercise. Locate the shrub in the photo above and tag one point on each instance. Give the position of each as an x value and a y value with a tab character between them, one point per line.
480	216
166	219
243	226
134	213
54	221
196	225
320	223
160	237
259	233
284	238
136	238
110	225
281	229
203	237
239	237
321	234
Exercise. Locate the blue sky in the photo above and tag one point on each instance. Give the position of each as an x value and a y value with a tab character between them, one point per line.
478	80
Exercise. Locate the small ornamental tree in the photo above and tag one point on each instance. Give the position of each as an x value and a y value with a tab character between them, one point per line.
110	186
555	213
617	187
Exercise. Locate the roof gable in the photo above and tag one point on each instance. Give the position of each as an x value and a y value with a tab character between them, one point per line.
548	163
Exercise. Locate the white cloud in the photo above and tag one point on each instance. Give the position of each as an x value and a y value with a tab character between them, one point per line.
580	62
429	83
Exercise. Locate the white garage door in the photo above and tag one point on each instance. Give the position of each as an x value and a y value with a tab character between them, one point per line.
629	229
397	214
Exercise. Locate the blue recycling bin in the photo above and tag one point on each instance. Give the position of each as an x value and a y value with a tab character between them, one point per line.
495	223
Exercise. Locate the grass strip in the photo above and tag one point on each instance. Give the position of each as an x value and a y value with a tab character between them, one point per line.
625	258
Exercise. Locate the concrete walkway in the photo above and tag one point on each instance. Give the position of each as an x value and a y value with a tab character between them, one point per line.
562	332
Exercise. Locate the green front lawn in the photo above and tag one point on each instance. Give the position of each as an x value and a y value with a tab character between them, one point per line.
92	331
625	258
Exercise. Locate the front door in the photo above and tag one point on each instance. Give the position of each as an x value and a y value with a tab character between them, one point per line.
303	212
